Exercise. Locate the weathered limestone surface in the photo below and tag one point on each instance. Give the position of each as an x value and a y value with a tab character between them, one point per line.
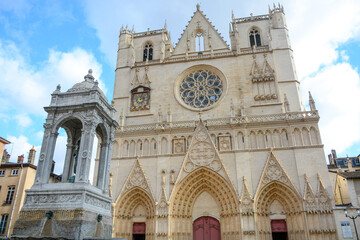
74	208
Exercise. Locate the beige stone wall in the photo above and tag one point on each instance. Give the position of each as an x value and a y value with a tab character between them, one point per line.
22	181
266	149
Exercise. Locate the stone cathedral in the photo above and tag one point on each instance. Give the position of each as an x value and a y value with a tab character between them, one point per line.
213	139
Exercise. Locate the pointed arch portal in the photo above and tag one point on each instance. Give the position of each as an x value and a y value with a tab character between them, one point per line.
126	206
185	195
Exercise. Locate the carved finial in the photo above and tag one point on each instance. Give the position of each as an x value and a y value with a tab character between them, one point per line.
126	29
286	103
306	178
198	7
133	29
122	28
165	26
58	88
89	77
232	15
311	102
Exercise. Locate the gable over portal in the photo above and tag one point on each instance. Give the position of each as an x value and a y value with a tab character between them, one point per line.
200	35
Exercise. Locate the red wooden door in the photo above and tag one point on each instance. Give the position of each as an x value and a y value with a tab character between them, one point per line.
206	228
279	230
139	230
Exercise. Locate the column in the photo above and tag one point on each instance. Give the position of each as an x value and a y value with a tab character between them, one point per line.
108	159
46	155
67	165
86	144
102	165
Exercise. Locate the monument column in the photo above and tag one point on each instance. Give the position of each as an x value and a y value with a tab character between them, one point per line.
67	166
46	155
86	145
102	164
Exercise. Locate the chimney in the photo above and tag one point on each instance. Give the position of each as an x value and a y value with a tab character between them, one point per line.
20	159
32	153
5	158
333	152
331	159
350	166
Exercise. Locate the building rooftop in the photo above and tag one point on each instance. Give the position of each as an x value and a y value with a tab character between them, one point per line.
350	175
3	140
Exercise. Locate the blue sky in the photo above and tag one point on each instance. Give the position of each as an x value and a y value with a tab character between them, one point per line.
44	43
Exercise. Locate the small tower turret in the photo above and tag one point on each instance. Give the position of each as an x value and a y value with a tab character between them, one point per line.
31	157
311	102
125	47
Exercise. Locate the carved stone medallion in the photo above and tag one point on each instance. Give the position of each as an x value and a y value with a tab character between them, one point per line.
202	153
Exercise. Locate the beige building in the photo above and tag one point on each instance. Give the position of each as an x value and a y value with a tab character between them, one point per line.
345	179
3	142
214	141
15	178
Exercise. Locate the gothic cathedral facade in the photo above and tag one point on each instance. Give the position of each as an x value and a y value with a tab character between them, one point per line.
214	141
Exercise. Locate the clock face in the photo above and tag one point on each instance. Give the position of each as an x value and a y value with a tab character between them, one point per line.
140	101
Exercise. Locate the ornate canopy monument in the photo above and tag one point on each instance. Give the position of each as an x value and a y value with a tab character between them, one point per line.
74	208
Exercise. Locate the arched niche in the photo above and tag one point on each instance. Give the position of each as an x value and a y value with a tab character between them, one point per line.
277	200
135	205
205	205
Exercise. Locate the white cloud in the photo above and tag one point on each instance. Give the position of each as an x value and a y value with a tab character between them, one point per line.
19	146
336	89
23	120
317	28
28	89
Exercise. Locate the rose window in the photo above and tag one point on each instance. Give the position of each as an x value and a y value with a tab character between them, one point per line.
201	89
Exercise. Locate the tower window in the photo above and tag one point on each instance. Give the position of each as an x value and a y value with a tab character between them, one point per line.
199	42
255	39
148	52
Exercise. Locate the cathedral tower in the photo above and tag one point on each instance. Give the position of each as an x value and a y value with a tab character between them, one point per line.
214	137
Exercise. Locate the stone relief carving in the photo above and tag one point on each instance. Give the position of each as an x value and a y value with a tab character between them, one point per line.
224	143
97	202
137	178
263	81
179	145
52	198
202	151
274	172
